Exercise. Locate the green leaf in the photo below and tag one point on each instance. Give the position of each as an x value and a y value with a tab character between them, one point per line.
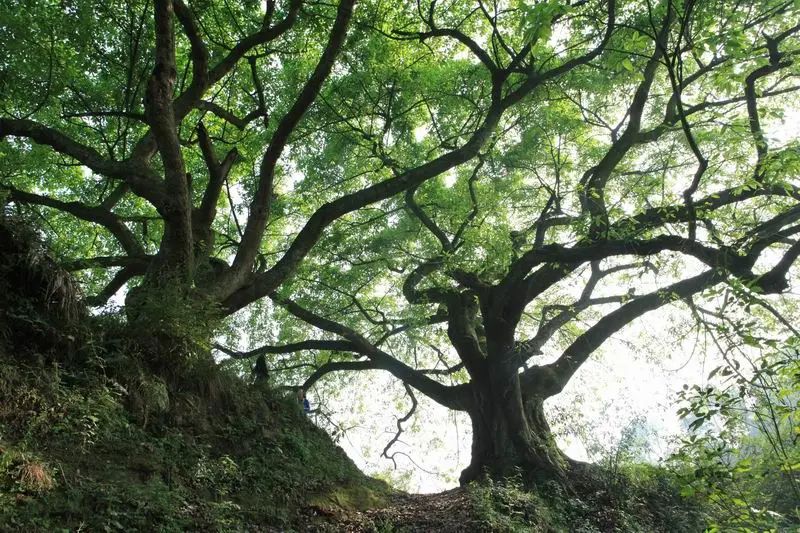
627	65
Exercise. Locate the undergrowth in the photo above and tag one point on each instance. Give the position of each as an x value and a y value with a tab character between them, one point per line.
74	455
637	499
94	437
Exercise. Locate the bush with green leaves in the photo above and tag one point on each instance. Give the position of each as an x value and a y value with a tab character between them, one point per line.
741	456
635	498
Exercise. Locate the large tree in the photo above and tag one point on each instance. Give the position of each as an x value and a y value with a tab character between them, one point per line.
212	155
653	174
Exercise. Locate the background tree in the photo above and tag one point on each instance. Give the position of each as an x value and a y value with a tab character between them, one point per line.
656	173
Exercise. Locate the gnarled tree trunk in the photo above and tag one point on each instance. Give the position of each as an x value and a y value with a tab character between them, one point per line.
510	433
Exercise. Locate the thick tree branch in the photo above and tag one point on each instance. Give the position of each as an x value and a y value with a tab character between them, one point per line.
176	254
464	333
429	295
536	283
224	114
142	180
337	366
595	179
262	198
595	251
427	221
116	195
203	217
451	397
580	350
773	281
117	282
459	36
199	53
308	345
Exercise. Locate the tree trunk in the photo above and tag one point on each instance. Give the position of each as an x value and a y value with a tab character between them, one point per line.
511	435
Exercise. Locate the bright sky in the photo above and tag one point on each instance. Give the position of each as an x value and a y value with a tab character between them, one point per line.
633	377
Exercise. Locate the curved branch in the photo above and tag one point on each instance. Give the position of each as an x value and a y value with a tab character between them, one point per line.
555	253
459	36
224	114
517	294
674	71
117	282
312	344
537	79
199	53
142	180
452	397
427	221
337	366
595	179
651	218
96	215
400	422
203	217
422	296
262	199
463	331
264	35
566	313
774	281
580	349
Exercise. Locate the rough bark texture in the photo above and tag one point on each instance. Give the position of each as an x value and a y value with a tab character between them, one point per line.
510	433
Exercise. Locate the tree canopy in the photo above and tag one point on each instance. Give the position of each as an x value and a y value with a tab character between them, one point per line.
472	196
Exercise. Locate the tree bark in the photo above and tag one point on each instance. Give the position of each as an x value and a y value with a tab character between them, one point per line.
510	433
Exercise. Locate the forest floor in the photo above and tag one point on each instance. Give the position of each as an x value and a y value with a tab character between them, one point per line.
449	512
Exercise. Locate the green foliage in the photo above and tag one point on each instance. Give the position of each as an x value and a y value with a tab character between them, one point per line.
506	505
641	498
741	456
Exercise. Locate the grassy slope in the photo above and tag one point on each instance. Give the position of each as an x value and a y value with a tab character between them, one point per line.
92	439
74	456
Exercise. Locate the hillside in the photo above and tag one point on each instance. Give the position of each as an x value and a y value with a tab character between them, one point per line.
92	438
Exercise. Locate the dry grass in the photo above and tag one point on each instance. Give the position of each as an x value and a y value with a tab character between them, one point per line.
33	476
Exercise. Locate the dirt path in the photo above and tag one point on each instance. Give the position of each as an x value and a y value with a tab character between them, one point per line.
447	512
